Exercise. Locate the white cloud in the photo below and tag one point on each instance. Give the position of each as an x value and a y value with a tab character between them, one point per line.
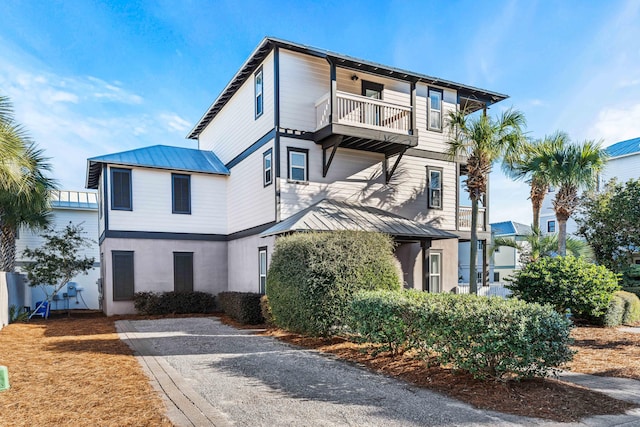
174	122
617	124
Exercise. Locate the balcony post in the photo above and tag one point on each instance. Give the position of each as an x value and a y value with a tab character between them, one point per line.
412	119
333	95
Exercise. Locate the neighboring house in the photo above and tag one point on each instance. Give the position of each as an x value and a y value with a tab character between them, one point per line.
506	260
300	139
79	208
623	164
464	247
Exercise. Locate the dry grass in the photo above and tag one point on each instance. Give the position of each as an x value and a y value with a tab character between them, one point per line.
541	398
72	371
606	352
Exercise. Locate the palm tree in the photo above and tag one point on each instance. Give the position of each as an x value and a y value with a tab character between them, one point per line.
573	167
482	141
24	188
536	246
531	162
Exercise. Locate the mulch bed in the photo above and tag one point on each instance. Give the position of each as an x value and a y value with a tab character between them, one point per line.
74	371
541	398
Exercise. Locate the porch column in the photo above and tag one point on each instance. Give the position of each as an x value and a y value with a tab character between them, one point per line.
426	245
485	274
333	96
412	123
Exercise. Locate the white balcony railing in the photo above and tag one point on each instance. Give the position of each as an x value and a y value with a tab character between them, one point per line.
464	218
364	112
497	289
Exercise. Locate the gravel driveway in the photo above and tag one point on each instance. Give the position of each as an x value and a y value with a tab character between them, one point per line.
251	380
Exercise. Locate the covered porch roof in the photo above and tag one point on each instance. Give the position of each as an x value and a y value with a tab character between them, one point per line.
332	215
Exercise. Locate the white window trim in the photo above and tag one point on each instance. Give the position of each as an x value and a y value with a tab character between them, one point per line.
267	154
431	205
262	274
305	168
432	274
432	110
259	95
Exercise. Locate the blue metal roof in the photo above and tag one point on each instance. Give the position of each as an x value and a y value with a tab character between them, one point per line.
65	199
624	148
510	228
158	157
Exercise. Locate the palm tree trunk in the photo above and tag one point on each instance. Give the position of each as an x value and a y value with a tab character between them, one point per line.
7	248
562	236
537	195
473	253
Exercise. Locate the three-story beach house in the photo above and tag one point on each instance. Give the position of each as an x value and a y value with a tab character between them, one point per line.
300	139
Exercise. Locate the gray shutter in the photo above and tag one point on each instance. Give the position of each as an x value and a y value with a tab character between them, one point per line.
183	271
123	284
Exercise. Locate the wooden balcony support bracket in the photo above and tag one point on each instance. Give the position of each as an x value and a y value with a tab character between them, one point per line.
389	173
332	143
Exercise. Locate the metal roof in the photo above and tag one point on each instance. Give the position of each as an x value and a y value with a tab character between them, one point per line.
66	199
158	157
332	215
268	43
510	228
624	148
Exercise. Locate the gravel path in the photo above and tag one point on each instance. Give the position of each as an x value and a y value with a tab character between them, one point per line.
251	380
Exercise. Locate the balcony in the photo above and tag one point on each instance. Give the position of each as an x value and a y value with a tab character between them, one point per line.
464	218
361	123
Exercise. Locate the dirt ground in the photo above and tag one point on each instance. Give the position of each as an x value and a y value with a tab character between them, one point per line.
75	371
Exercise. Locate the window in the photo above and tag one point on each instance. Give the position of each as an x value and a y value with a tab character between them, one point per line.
259	92
181	193
298	164
121	189
262	269
435	109
183	271
372	114
372	90
123	286
551	226
435	188
267	159
435	275
496	276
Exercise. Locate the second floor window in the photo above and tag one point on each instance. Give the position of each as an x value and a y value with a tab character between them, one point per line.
551	227
435	188
259	92
298	164
267	160
181	191
435	109
121	189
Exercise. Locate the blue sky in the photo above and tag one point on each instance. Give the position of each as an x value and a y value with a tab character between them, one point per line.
94	77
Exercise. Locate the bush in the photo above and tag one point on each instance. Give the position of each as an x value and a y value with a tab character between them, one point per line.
631	276
566	283
265	310
487	337
624	309
313	276
154	303
243	307
633	290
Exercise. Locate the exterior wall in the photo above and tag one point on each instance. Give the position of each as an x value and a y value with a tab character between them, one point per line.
249	202
449	248
153	267
547	214
409	255
243	262
152	204
429	139
235	127
358	176
622	168
505	261
88	295
102	206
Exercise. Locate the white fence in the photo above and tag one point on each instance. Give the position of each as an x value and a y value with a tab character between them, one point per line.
497	289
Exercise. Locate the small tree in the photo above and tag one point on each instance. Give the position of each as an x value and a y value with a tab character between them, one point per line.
58	260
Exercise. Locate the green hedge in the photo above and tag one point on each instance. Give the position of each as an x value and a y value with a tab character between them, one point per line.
313	276
566	283
156	303
624	309
487	337
633	290
242	306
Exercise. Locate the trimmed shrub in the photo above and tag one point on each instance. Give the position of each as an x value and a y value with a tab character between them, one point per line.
313	277
624	309
487	337
566	283
243	307
155	303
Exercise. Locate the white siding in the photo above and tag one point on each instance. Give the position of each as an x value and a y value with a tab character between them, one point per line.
358	176
243	262
235	127
249	202
429	139
60	218
153	267
623	169
152	205
103	203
